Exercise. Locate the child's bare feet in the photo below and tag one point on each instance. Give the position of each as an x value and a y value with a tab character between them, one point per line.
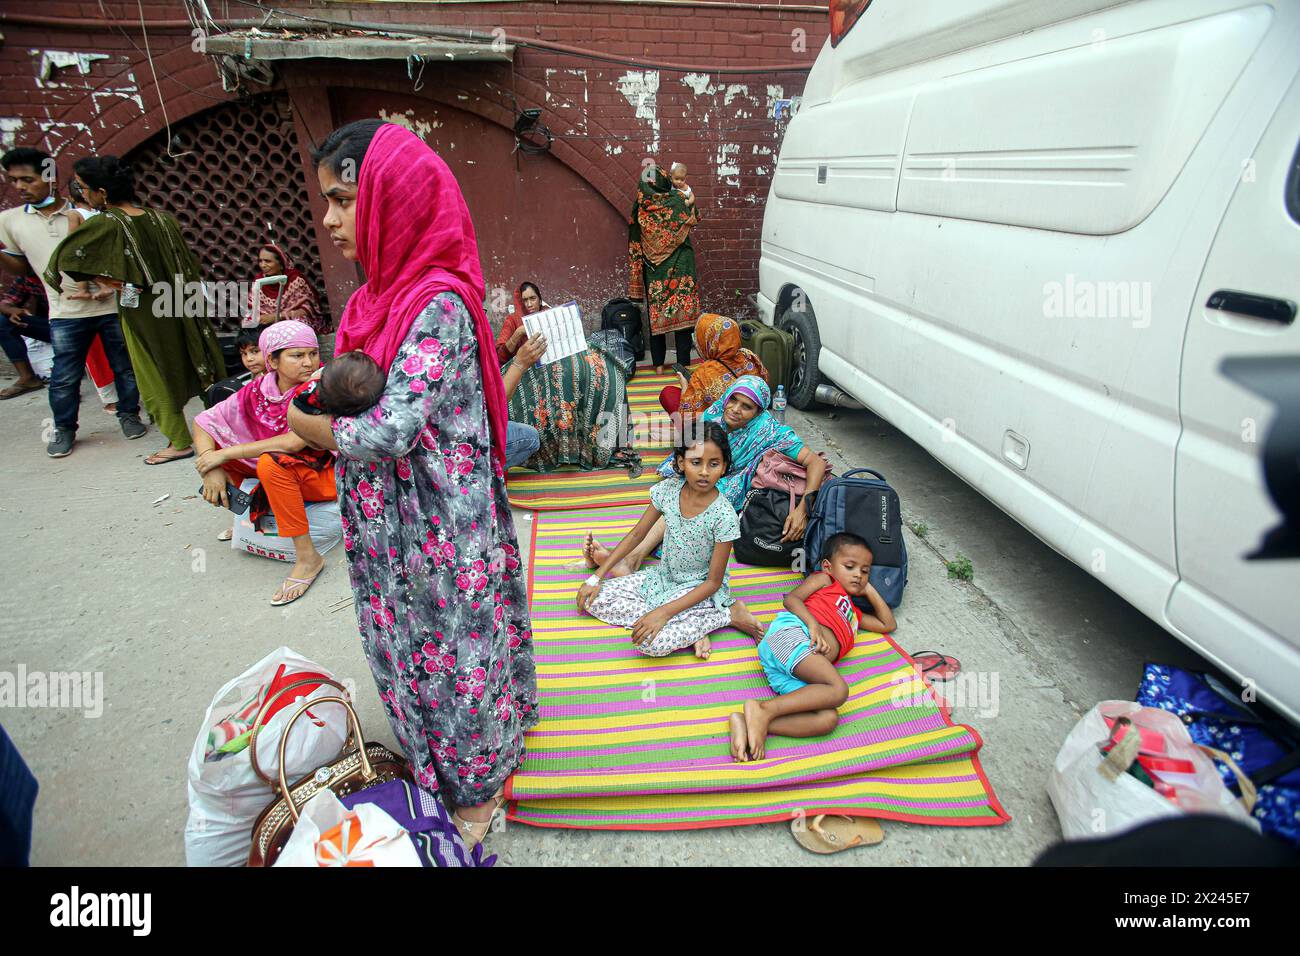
596	554
703	648
756	721
739	742
743	620
589	545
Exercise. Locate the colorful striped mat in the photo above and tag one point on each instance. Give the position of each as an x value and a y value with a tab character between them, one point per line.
571	488
629	742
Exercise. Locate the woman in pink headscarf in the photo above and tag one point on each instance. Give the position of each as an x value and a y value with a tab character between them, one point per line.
435	567
247	436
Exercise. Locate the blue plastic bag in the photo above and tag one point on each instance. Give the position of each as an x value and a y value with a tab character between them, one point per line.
1262	746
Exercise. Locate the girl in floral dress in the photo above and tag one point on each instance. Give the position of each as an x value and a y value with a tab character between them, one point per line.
432	555
678	602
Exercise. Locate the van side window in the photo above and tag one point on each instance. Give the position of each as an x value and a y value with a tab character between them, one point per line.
1293	186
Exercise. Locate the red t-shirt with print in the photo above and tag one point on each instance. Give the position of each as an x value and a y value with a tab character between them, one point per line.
832	607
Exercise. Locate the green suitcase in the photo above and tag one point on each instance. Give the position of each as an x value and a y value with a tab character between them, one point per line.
774	348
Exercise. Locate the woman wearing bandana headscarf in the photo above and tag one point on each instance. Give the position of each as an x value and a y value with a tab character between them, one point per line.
247	436
434	563
752	432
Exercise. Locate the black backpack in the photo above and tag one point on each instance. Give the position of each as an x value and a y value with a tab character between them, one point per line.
222	390
868	507
624	316
762	519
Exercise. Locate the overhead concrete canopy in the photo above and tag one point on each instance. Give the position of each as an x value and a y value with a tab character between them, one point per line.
268	46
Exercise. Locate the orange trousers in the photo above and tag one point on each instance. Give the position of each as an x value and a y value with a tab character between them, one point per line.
288	489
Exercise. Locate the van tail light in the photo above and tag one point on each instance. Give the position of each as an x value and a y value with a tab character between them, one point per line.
845	13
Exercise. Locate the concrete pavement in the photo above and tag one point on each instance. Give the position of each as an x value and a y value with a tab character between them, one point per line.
100	578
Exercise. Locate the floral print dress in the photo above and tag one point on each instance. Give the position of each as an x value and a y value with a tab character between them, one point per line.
435	566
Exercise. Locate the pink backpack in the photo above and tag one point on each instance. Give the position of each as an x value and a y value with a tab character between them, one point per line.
778	470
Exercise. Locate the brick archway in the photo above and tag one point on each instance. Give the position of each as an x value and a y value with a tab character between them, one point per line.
234	181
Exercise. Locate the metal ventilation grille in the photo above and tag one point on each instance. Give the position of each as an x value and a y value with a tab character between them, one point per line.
236	181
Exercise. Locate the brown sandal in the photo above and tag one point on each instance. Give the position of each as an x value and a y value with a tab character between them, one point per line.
13	391
827	833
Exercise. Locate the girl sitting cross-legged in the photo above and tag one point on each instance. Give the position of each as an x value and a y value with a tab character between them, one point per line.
678	602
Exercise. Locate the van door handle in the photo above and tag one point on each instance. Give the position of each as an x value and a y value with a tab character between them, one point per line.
1263	307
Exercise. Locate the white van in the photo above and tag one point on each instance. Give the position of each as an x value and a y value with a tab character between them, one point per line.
1020	230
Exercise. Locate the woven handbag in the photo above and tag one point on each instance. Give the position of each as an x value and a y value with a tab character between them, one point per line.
360	767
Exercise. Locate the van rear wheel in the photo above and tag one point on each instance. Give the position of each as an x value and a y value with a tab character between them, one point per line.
805	376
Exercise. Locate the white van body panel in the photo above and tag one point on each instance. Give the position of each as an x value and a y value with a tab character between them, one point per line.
1012	245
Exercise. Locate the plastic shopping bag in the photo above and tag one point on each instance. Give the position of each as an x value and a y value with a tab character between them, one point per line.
324	524
41	356
1093	801
226	795
329	834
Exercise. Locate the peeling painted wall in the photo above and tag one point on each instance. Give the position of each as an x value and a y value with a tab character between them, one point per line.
75	92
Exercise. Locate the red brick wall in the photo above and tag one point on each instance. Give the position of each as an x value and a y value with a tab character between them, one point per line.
719	124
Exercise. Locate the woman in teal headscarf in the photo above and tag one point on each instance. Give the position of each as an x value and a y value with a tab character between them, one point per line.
752	432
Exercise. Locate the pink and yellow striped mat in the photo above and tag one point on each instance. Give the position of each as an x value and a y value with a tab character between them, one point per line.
630	742
571	488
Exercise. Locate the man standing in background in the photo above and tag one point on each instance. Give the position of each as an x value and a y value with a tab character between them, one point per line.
30	233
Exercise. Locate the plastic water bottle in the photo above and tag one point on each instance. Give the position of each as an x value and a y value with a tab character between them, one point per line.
778	404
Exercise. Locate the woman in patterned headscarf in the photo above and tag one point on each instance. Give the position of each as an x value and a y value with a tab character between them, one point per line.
752	432
296	299
724	361
661	263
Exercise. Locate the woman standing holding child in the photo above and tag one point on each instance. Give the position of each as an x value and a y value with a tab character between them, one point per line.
432	555
661	260
680	601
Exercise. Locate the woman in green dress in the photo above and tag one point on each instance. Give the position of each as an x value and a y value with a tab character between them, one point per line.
142	253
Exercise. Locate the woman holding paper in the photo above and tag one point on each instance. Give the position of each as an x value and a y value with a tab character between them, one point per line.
574	403
528	299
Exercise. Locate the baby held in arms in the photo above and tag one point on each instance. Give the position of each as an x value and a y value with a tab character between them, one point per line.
349	385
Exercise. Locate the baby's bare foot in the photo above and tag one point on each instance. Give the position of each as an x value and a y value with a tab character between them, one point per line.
739	742
703	648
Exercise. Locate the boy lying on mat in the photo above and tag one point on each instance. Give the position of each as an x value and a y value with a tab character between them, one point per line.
802	644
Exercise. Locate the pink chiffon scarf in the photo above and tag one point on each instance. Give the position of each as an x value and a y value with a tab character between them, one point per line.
415	239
